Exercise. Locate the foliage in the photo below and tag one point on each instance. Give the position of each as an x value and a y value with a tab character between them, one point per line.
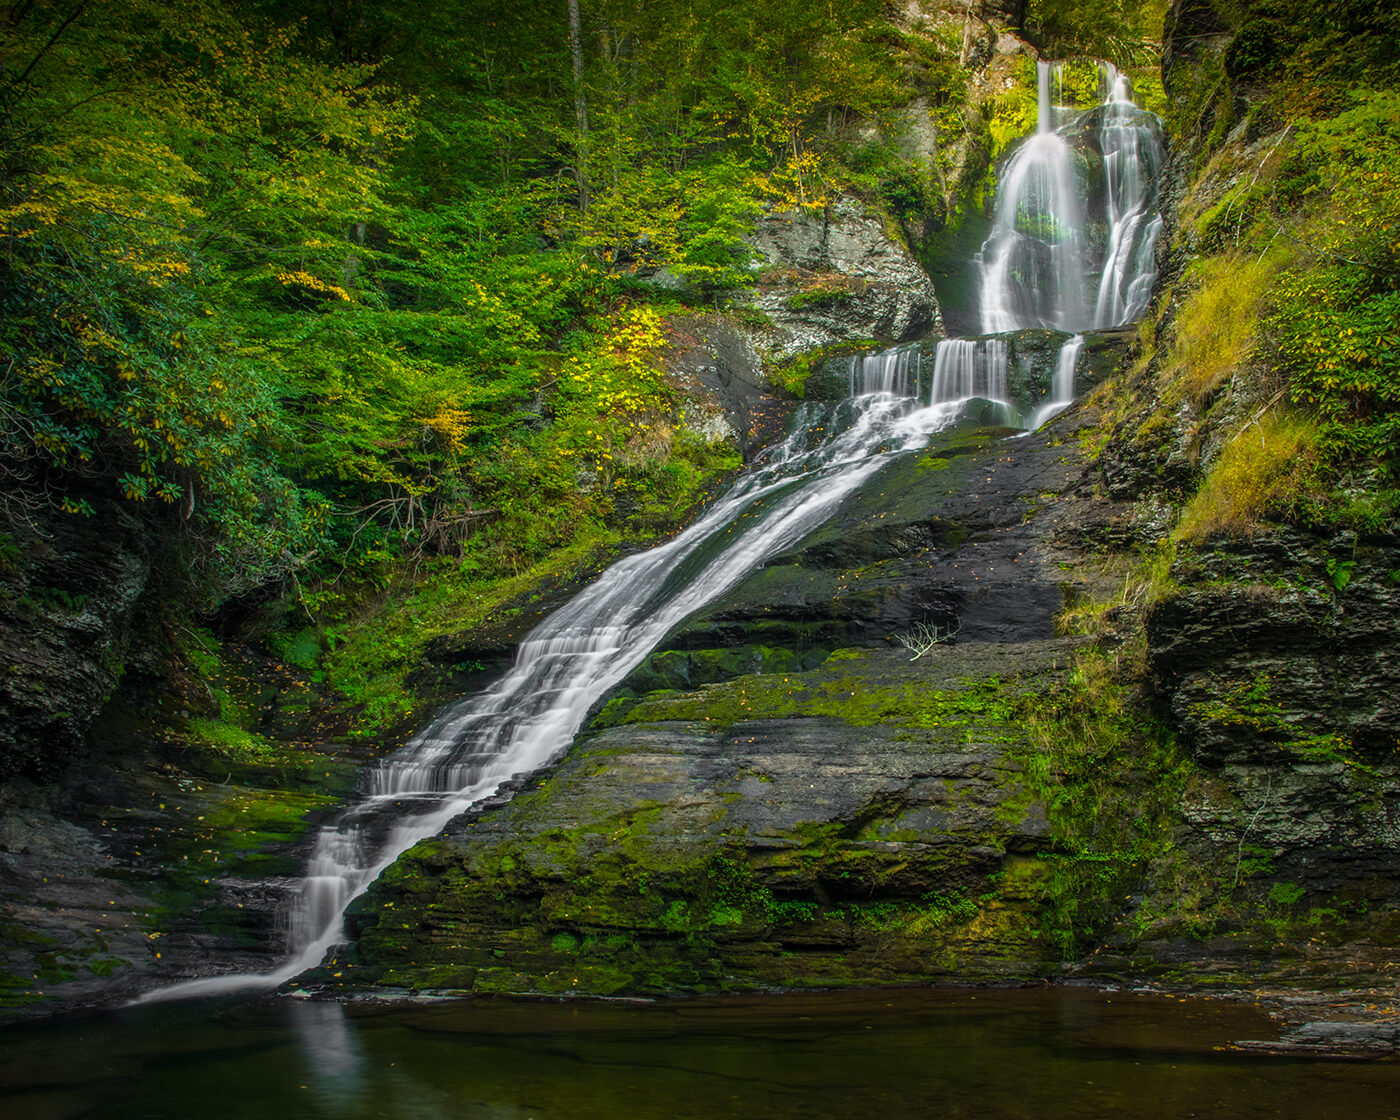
321	291
1125	32
1338	320
1111	781
1301	288
1258	475
1014	110
142	174
1218	322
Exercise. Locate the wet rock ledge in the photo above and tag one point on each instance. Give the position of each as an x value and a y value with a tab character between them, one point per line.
783	796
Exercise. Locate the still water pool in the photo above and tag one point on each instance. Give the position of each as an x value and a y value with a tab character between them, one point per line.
1041	1054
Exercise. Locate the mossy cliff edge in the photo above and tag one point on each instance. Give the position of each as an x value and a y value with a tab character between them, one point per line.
785	798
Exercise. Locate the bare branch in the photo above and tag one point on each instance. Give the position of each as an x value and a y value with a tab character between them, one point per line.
923	636
62	27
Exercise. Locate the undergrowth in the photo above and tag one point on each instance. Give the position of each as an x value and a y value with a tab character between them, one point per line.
1258	476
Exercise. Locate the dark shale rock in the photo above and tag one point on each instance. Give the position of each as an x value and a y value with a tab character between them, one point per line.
1279	639
812	807
735	851
66	612
1286	688
721	374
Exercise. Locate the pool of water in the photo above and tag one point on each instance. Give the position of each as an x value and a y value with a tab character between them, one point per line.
1041	1054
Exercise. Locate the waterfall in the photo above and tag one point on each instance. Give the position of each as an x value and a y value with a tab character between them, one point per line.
1032	265
1061	383
1037	267
965	367
581	652
1131	143
1045	72
894	371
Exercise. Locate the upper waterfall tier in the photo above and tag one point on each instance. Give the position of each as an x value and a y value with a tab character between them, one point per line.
1076	221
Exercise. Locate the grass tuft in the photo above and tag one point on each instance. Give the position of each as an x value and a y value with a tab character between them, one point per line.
1262	468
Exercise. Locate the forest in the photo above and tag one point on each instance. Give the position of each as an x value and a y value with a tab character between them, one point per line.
329	294
326	293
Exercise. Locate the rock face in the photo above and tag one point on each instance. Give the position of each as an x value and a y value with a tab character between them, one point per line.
781	796
1277	663
835	276
710	852
67	600
717	367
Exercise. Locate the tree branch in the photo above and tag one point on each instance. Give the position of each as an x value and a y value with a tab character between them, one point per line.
62	27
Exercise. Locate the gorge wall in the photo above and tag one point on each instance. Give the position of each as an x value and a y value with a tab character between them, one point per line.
1194	784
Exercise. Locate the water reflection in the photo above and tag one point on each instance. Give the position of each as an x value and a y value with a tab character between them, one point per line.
1042	1054
332	1049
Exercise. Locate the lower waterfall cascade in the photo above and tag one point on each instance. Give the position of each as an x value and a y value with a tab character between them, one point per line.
579	653
1036	271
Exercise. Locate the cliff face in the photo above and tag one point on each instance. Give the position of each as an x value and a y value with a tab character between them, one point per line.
785	795
168	783
68	602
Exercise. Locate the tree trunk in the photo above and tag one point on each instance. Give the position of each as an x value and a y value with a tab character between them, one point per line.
580	107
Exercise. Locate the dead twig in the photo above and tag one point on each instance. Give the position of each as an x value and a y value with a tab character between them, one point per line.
923	636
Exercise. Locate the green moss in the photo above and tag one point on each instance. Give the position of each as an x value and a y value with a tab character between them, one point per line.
1111	779
792	376
215	832
18	991
301	648
1247	708
818	296
231	741
848	696
1013	110
685	669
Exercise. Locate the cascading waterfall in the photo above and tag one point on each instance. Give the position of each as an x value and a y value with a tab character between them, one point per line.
1038	267
962	369
966	368
1132	156
1032	266
581	652
1035	271
1061	384
898	371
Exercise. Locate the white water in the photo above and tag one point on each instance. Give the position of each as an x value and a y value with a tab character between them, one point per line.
965	368
1037	268
1032	265
580	653
898	371
1061	384
1132	154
